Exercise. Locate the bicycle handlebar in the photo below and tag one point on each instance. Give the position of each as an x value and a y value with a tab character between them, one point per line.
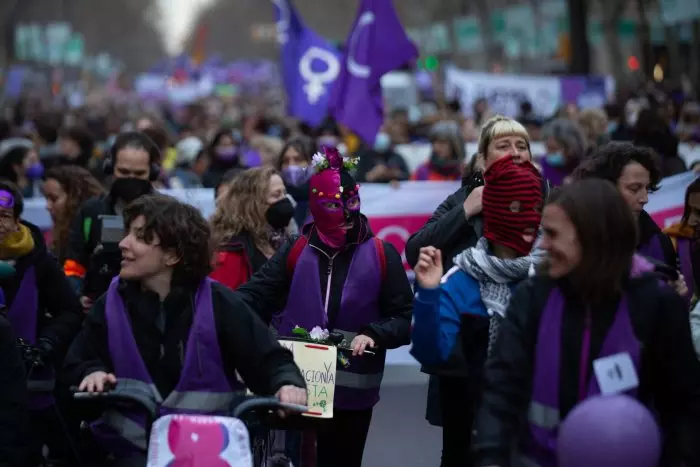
252	403
123	392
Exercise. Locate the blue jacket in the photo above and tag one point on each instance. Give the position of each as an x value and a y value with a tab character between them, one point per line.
437	315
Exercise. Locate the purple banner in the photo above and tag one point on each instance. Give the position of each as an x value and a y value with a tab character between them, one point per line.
584	91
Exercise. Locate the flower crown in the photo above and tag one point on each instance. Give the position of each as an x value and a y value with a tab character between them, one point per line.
332	160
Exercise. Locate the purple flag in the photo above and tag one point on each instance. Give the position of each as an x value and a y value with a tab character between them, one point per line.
377	45
310	65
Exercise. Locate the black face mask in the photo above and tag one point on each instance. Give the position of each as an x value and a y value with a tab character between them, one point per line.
128	189
280	213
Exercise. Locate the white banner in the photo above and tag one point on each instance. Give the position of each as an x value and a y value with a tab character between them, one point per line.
395	213
404	208
504	93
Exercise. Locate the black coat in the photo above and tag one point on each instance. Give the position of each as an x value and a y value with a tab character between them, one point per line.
669	375
60	313
267	291
161	331
14	413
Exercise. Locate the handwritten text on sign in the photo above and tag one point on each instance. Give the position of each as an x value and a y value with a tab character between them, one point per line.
317	364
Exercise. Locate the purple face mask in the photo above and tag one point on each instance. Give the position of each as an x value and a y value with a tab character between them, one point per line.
227	153
35	171
6	199
296	175
328	141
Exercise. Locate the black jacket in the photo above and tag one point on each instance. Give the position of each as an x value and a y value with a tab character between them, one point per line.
669	375
448	230
14	414
60	313
161	331
647	229
267	291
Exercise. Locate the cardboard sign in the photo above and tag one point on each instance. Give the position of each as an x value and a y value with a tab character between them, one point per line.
317	364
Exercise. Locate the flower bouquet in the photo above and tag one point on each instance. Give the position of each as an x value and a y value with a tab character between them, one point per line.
323	336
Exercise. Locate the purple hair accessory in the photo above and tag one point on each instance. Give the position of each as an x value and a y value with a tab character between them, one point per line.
335	160
6	199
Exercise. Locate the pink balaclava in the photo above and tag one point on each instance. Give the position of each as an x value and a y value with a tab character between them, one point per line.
334	198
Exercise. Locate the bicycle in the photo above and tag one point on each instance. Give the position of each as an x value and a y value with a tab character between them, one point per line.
245	410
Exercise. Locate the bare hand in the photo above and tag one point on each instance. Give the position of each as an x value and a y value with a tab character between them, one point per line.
291	395
680	286
472	205
429	267
99	381
377	172
86	302
360	343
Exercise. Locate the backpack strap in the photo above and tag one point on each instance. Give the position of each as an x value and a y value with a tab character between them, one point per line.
295	252
302	241
382	256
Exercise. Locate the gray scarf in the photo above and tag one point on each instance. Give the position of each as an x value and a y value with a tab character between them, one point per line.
494	274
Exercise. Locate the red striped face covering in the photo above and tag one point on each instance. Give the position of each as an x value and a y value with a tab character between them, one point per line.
512	204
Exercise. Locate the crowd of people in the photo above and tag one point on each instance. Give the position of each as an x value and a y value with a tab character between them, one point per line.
527	277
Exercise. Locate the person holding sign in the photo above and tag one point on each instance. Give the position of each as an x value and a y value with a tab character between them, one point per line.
167	328
596	320
341	278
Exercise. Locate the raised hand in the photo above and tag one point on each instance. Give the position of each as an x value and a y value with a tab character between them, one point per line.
429	267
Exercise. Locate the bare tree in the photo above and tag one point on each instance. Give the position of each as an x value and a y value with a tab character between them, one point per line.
611	12
123	29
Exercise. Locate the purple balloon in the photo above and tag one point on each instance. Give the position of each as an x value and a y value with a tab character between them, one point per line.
609	431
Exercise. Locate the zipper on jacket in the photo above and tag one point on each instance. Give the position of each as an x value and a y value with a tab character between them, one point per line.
329	275
328	281
585	356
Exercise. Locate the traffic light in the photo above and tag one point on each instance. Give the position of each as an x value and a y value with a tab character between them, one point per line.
633	63
431	63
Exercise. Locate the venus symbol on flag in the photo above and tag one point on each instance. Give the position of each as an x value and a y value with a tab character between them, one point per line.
316	81
356	69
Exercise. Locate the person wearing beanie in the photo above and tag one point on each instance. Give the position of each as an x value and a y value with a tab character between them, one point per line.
466	306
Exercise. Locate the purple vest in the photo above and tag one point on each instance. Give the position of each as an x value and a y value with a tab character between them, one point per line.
685	256
357	386
203	387
24	317
555	175
652	249
543	413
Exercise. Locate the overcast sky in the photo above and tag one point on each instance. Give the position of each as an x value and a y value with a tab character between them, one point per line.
177	20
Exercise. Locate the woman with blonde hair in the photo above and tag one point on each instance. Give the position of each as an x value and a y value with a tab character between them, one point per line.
456	225
251	221
66	188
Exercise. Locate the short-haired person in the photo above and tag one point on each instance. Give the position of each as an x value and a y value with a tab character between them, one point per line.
91	260
164	324
465	307
457	224
594	302
635	173
566	147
